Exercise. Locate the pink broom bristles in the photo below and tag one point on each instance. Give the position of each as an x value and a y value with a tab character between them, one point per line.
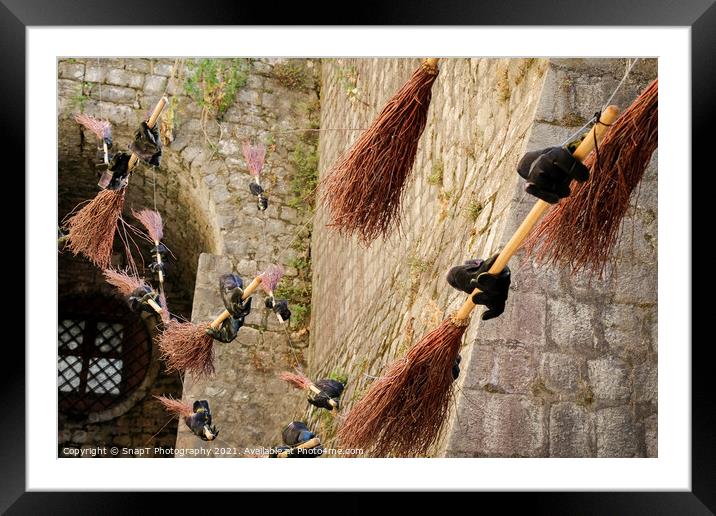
152	221
175	406
187	347
254	156
270	278
296	380
101	128
92	229
124	282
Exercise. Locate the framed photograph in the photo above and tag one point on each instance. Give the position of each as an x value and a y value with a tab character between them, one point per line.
432	257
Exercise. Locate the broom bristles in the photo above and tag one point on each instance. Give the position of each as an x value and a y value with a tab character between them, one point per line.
296	380
254	155
100	128
175	406
403	412
270	278
186	347
124	282
364	189
92	228
583	229
152	221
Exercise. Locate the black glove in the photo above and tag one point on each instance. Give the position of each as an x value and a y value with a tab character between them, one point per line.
231	287
296	433
456	367
298	453
138	300
262	202
119	165
147	145
549	171
200	422
255	188
494	289
155	267
228	329
281	308
330	390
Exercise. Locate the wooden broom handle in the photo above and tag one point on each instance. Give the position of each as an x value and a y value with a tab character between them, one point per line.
311	443
596	133
247	293
150	123
155	306
159	261
312	387
432	62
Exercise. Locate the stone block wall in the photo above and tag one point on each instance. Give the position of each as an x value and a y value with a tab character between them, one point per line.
570	369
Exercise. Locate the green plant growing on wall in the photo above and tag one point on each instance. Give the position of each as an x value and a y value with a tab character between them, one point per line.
474	209
436	173
291	76
302	186
348	77
339	376
80	98
213	83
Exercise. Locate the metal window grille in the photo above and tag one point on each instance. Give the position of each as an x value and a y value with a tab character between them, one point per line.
103	353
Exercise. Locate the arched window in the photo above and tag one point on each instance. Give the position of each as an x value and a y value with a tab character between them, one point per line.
104	352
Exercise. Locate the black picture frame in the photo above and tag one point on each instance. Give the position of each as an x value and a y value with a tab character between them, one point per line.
700	15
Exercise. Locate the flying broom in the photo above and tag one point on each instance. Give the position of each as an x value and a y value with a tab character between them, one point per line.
403	412
254	156
322	394
136	291
92	228
152	222
363	190
189	347
582	230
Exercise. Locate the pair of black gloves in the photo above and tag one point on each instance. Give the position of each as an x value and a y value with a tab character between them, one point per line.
294	434
261	200
231	288
548	173
147	145
200	421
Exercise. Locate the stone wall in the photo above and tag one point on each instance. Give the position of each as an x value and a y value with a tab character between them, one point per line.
201	190
570	368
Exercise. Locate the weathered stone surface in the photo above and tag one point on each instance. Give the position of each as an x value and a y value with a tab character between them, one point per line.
651	436
616	433
609	379
500	425
645	382
560	373
570	431
571	324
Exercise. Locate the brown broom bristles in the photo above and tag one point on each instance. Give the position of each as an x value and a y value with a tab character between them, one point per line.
364	189
123	281
583	229
152	222
296	380
403	412
175	406
92	228
187	347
